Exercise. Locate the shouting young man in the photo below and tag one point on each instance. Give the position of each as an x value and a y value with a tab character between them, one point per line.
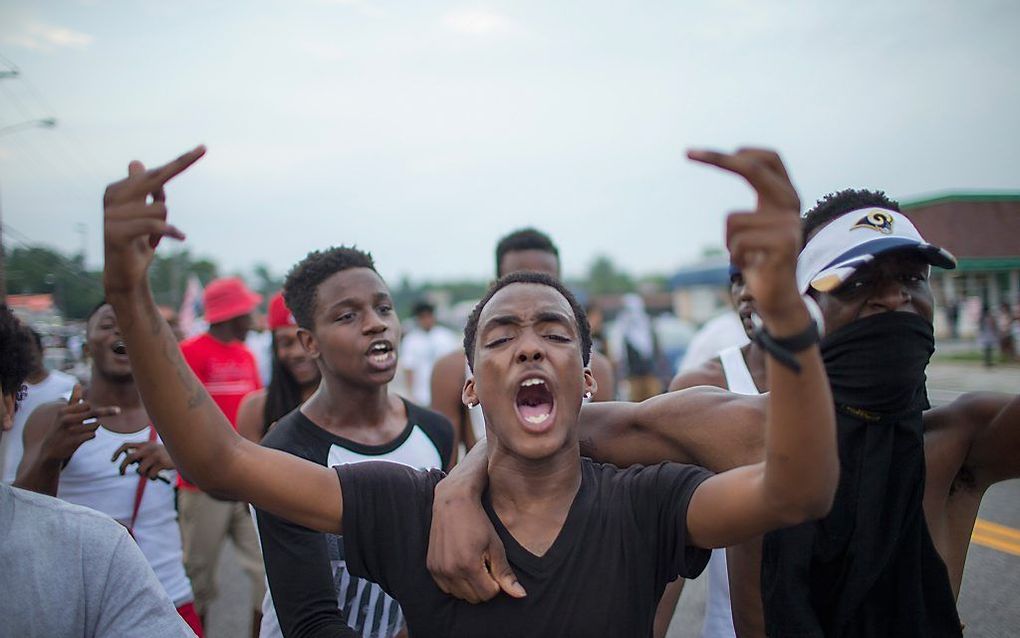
870	568
68	570
523	250
85	461
593	545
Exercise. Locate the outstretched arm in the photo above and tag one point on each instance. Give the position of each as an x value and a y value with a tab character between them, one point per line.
798	477
196	433
995	454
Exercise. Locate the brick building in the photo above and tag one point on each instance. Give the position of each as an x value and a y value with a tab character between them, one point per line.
983	232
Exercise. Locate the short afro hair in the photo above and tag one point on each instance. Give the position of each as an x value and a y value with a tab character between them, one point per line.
422	307
92	313
300	290
583	328
16	360
841	202
524	239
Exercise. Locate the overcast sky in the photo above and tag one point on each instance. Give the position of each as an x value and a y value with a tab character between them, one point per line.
423	131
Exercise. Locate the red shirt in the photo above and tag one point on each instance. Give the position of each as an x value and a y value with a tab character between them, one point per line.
227	370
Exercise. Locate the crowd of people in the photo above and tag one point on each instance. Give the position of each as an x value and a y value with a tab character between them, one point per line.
508	493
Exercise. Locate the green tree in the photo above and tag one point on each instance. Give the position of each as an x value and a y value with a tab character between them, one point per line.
41	270
605	279
266	283
169	273
75	290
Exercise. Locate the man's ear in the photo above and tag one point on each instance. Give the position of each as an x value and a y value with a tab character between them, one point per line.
468	396
86	351
308	342
591	386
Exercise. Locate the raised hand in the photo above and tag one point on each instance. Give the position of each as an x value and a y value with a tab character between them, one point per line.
70	430
133	225
151	457
765	243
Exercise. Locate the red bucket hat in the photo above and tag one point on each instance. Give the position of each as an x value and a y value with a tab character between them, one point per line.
280	315
227	298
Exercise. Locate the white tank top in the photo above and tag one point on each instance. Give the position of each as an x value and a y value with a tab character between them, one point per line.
92	481
718	613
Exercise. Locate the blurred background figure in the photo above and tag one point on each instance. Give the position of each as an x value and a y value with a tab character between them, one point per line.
41	386
597	321
294	378
988	335
171	318
260	343
636	349
421	347
228	371
1006	321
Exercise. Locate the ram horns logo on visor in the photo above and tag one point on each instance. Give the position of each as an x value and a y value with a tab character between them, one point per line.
876	220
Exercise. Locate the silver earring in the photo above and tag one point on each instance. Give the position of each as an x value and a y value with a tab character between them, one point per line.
587	395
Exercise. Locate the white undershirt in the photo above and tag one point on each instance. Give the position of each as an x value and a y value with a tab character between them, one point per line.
718	613
92	481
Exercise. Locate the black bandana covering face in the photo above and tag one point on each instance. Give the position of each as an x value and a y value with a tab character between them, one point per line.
869	568
876	365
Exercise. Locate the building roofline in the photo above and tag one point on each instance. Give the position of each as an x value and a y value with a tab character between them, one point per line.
991	196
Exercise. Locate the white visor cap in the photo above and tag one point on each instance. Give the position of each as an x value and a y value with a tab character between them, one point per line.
854	239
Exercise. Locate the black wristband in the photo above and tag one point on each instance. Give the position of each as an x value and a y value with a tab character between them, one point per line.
783	349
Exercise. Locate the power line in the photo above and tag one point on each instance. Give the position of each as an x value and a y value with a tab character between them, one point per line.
62	265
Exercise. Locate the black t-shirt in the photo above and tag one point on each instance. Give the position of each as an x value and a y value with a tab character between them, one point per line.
310	586
624	538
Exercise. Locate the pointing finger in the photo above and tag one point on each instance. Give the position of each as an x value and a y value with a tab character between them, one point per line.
758	167
168	171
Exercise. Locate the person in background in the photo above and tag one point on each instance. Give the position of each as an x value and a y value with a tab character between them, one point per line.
421	348
636	349
294	376
80	463
259	341
228	371
988	335
1005	321
68	570
740	369
172	318
598	327
41	386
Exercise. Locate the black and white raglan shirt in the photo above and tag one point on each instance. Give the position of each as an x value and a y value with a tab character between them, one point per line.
311	591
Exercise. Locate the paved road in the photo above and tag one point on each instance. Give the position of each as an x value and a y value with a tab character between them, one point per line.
988	600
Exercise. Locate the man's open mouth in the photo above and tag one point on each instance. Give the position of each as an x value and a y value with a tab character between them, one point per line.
534	401
381	353
119	347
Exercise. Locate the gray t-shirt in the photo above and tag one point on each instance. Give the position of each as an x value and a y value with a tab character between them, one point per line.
71	571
